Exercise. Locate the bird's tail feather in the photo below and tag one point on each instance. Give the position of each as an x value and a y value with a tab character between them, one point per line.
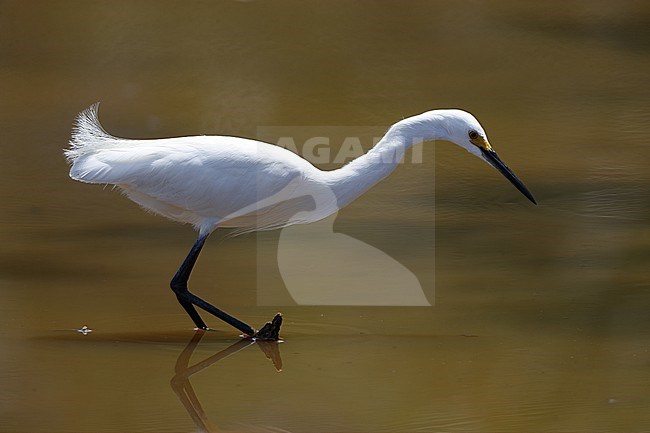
88	135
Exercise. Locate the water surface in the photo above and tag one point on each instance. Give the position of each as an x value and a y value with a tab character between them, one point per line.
538	318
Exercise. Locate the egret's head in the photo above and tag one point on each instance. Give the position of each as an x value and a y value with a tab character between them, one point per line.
461	128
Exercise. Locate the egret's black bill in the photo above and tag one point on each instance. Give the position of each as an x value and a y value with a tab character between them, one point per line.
494	160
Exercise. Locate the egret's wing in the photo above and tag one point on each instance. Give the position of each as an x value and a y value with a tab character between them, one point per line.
202	180
237	182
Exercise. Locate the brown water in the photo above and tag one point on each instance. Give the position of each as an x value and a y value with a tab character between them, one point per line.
539	318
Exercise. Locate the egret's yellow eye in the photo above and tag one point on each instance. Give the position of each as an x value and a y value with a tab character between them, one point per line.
473	135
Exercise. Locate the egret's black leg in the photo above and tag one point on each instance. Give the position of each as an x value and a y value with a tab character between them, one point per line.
188	300
179	282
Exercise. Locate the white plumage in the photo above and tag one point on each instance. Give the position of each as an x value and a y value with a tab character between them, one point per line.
220	181
207	181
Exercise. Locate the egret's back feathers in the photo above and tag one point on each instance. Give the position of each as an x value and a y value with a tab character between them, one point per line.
202	180
87	134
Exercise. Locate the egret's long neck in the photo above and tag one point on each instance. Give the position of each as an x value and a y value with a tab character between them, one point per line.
355	178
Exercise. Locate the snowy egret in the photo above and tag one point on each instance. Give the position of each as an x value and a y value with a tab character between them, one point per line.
221	181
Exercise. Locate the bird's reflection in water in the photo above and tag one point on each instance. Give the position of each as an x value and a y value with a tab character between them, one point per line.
181	385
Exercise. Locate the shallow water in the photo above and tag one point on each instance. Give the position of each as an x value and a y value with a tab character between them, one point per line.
538	314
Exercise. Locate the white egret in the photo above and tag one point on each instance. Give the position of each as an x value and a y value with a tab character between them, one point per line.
221	181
